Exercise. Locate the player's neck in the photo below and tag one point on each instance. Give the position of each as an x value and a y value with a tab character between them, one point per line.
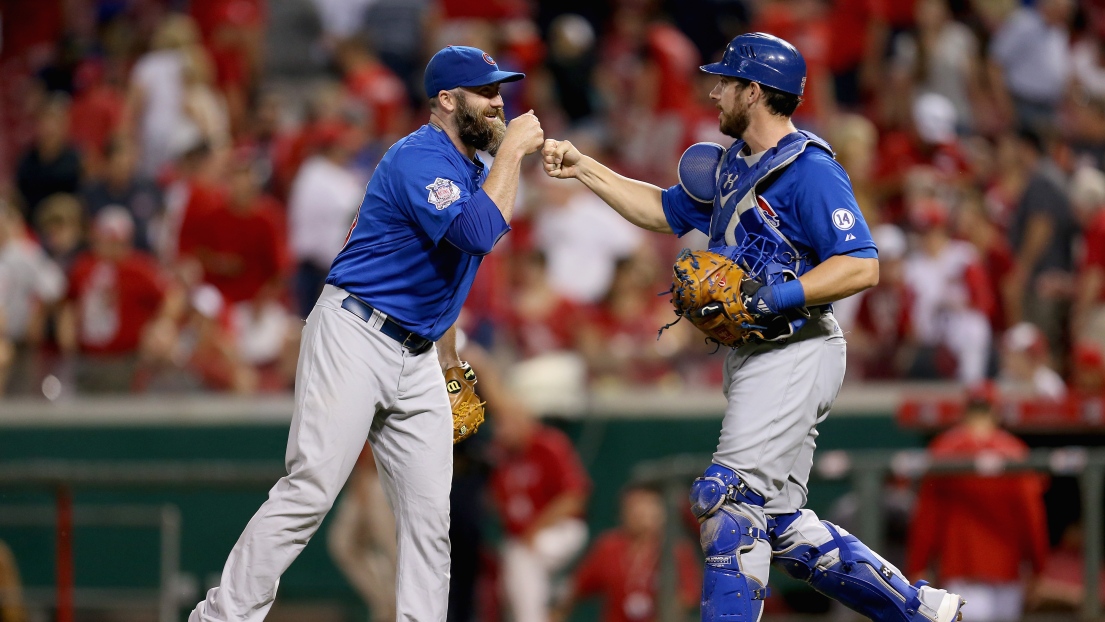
453	135
766	131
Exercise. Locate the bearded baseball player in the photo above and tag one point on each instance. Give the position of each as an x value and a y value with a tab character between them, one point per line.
786	240
378	358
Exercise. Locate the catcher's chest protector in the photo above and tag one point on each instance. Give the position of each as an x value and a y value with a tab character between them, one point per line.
744	227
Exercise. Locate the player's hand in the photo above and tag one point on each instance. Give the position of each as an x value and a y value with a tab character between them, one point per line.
560	159
524	133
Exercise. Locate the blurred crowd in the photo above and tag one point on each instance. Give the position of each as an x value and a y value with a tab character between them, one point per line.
177	175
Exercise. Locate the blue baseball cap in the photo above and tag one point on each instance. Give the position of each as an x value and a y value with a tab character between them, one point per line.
461	65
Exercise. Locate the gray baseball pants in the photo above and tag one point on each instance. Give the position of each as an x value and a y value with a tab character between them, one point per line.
353	382
777	393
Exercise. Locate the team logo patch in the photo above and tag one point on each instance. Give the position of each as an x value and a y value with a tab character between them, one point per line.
767	211
487	59
443	193
844	219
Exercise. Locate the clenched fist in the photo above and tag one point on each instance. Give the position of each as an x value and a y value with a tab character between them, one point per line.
524	133
560	158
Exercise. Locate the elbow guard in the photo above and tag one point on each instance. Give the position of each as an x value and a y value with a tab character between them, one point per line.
698	167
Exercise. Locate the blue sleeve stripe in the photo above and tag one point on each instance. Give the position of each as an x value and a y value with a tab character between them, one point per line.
867	252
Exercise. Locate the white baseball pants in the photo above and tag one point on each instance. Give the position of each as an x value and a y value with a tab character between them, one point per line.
352	383
528	571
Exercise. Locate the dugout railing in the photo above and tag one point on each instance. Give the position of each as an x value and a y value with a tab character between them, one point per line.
867	471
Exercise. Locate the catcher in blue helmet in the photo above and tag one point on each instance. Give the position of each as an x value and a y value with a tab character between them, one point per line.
786	240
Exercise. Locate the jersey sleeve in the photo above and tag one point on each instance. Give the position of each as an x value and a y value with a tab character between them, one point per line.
429	189
683	213
828	212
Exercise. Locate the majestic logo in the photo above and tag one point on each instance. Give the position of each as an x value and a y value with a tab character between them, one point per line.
844	219
487	59
443	193
767	211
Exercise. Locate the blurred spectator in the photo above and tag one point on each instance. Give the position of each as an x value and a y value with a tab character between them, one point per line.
857	34
941	57
31	284
930	145
381	94
1042	234
156	99
995	256
619	338
582	239
398	30
96	114
622	566
882	328
973	532
540	491
205	114
1088	371
205	352
1024	368
855	140
1087	198
340	19
362	539
11	588
51	165
324	200
1030	56
119	309
571	61
195	187
122	185
541	320
1062	583
805	24
951	300
239	240
60	227
231	31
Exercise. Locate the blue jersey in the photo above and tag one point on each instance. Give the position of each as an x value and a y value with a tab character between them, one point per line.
395	258
811	203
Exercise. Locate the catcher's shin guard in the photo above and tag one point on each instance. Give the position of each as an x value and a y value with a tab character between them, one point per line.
841	567
734	546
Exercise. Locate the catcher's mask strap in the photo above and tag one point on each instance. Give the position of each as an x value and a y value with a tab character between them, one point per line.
415	344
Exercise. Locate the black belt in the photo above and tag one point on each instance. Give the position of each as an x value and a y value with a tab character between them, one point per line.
415	344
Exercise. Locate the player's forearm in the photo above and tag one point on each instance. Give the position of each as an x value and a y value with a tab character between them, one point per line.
636	201
447	354
502	182
567	505
838	277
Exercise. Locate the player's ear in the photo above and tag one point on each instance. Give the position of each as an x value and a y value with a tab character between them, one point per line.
447	100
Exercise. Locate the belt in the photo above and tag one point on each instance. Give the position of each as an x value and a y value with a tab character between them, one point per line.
414	343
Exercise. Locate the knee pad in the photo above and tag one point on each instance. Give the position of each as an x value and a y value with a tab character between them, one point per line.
729	594
716	486
844	569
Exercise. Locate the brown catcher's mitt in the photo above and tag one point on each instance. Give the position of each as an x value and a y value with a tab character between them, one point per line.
460	382
707	291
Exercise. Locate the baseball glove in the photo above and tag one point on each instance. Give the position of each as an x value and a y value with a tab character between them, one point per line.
468	410
707	290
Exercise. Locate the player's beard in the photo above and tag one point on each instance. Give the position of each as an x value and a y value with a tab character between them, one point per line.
477	129
734	124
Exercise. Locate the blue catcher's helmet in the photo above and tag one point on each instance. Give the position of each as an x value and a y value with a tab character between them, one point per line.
760	57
